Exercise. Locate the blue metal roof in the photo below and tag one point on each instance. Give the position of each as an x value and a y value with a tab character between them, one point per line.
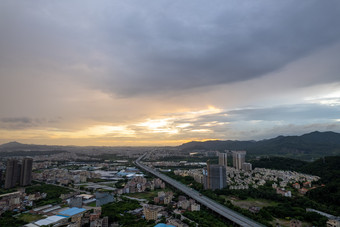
72	211
163	225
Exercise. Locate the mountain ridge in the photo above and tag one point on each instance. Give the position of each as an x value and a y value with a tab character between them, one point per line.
307	146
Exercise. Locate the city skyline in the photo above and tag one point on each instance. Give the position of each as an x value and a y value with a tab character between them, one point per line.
167	72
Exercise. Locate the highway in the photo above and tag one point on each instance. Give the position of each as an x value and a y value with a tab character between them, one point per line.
211	204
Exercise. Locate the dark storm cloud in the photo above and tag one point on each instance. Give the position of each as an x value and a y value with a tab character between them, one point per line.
137	47
172	51
17	123
300	113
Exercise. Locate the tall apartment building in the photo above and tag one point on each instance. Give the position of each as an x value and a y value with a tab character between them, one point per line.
239	157
2	177
13	169
26	172
215	177
222	159
18	173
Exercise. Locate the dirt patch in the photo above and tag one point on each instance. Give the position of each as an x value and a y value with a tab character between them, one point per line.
286	223
245	204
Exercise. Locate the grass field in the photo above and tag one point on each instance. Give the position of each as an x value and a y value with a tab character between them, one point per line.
30	217
93	204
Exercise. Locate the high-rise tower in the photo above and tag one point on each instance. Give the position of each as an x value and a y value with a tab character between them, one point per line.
12	173
215	177
239	157
26	172
222	159
18	172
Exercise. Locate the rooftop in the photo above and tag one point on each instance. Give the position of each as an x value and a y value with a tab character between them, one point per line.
49	220
72	211
163	225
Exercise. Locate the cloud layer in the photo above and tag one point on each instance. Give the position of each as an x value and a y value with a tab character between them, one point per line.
140	71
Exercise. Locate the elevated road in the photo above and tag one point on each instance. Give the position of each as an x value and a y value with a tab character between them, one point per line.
211	204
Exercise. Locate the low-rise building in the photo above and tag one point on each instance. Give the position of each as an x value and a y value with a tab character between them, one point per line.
176	222
303	191
283	192
195	207
76	202
333	223
184	204
247	166
150	212
296	185
295	223
10	201
254	209
307	184
74	211
103	198
51	220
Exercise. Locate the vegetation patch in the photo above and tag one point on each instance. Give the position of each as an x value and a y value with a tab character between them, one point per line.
27	217
8	219
93	204
279	163
5	191
53	193
119	212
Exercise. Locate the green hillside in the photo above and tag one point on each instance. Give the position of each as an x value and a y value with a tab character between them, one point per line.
306	147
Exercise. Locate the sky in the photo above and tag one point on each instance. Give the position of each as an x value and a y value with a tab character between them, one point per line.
165	72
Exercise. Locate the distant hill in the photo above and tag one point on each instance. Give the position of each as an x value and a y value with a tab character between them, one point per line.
15	146
18	149
308	146
10	145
